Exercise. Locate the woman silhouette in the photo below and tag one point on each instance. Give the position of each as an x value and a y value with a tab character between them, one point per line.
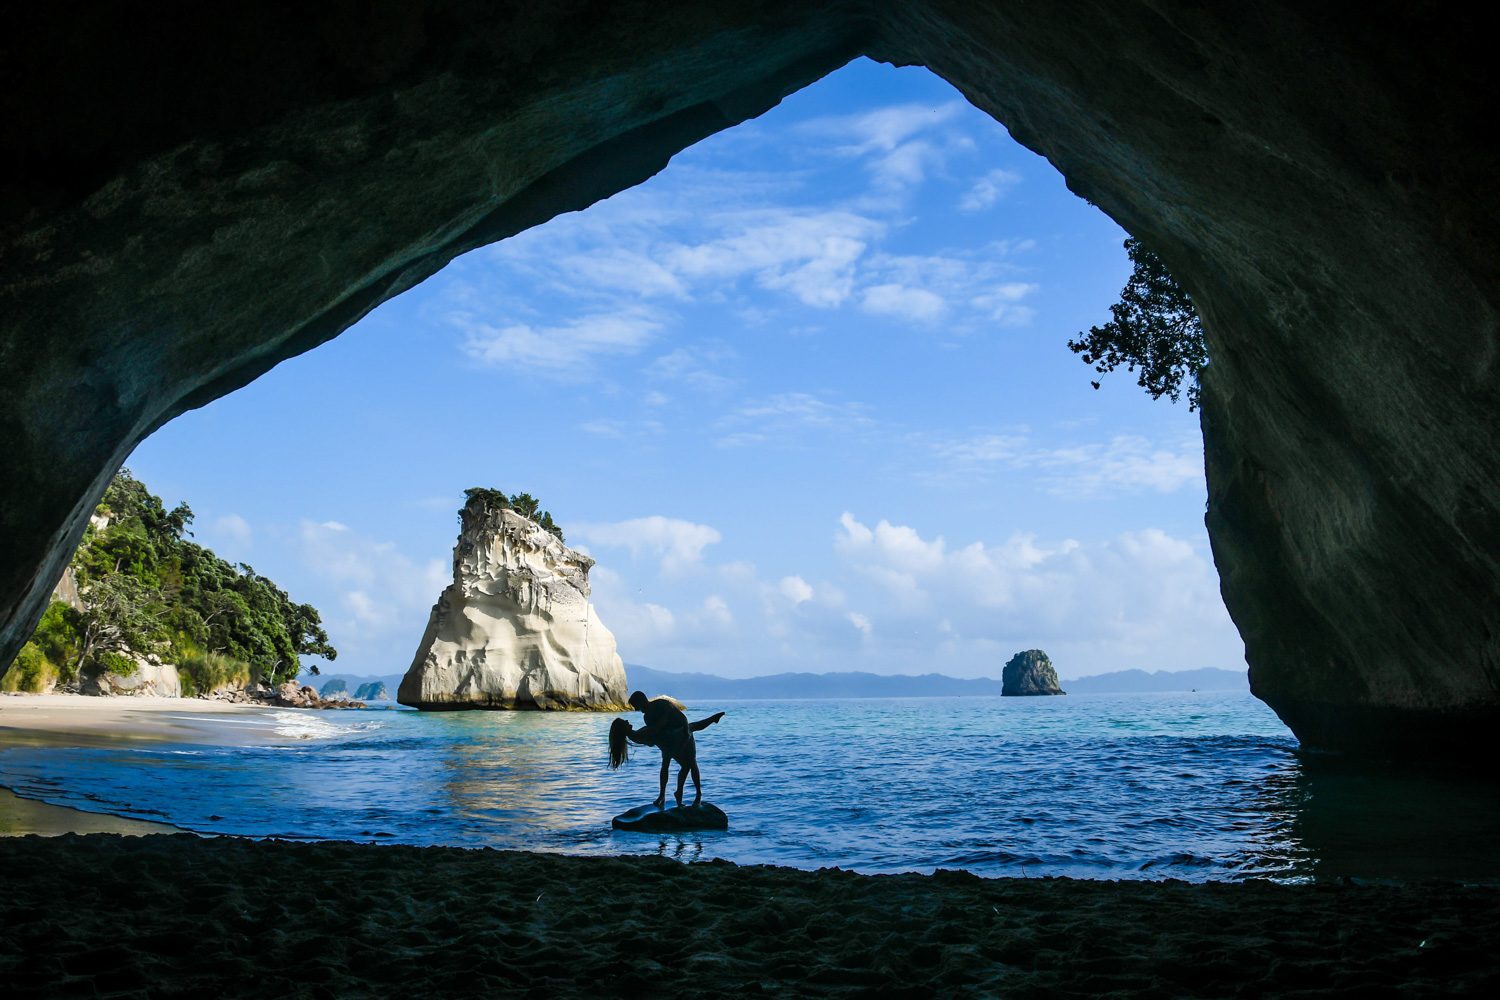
668	730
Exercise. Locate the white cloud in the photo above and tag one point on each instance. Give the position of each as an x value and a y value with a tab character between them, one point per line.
620	269
898	545
1125	465
861	622
989	189
976	289
698	366
1003	303
383	595
677	543
809	255
1137	593
715	611
1128	464
915	304
562	351
233	531
795	589
786	416
890	141
883	129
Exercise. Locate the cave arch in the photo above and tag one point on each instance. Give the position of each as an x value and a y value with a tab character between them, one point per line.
186	199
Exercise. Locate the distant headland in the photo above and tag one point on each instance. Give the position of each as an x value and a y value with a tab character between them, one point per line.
866	685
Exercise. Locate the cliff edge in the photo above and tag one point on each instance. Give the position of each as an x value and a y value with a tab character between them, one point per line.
515	628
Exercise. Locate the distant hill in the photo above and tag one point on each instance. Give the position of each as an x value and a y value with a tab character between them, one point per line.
864	685
1202	679
844	685
328	682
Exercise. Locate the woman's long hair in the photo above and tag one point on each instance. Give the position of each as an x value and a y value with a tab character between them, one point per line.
619	750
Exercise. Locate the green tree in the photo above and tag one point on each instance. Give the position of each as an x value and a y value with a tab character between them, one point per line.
146	588
1154	331
119	614
525	504
549	525
490	497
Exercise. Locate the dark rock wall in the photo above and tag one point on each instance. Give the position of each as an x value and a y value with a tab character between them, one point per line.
191	194
1318	184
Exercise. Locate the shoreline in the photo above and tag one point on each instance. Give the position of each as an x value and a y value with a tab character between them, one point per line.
77	720
180	915
22	816
98	720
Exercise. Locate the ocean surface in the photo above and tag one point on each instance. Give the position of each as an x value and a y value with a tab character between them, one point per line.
1193	786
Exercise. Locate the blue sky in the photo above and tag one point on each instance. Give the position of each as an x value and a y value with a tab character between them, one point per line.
805	396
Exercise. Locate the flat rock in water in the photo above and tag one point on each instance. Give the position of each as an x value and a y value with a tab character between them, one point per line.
652	818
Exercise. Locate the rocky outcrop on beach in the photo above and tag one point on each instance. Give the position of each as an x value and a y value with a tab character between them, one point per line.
515	628
294	695
150	677
334	688
1030	673
674	819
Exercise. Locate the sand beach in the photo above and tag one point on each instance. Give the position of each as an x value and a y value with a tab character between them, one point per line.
176	915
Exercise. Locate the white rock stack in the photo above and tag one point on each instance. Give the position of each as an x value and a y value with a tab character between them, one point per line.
515	628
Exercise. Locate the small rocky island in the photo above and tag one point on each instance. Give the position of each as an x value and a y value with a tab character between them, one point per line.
1030	673
515	628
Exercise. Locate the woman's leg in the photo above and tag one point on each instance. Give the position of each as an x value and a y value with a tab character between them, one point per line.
697	785
687	759
666	763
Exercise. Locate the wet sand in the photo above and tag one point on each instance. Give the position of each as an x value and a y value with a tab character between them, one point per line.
70	720
185	916
21	817
80	720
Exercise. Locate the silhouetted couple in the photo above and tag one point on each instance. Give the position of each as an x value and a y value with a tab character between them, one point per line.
668	730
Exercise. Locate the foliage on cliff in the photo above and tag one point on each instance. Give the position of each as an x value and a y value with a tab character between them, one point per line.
522	503
1154	330
146	588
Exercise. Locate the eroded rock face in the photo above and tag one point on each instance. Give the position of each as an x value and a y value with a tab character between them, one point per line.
1321	185
515	628
150	678
1030	672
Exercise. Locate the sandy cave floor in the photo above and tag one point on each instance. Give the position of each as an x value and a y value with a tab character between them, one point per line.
178	916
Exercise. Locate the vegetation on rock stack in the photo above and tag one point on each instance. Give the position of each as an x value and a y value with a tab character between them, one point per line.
1154	328
146	589
522	503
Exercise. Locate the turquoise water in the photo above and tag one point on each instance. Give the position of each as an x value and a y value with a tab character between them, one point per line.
1192	786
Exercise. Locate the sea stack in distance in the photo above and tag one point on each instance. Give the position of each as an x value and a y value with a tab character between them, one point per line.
1029	673
515	628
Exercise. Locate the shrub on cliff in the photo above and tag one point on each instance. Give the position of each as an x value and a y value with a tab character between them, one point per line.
1154	330
524	504
30	672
